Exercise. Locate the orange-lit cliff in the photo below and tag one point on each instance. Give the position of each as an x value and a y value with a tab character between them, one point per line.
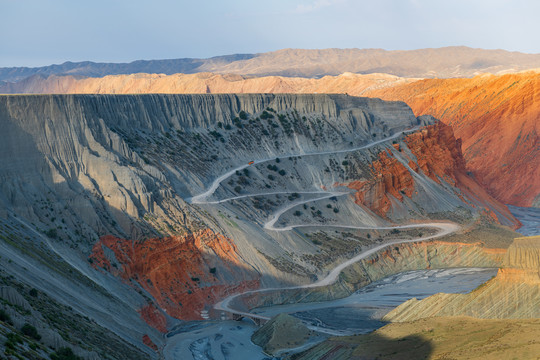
498	120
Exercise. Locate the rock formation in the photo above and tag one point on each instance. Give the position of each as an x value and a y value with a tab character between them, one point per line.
182	273
513	294
497	118
97	196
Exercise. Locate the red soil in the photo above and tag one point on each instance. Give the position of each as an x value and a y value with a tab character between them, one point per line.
184	274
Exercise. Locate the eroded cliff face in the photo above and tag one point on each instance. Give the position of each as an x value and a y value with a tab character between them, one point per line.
389	177
434	152
513	294
184	274
497	118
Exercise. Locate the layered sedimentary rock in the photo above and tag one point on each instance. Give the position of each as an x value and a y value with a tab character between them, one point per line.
497	119
106	184
513	294
495	116
434	152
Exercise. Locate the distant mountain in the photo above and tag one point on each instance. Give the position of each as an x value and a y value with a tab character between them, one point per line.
455	61
92	69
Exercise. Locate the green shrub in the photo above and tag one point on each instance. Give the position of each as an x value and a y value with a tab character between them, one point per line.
4	317
64	353
52	233
31	331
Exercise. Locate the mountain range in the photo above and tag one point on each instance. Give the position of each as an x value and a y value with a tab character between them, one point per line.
453	61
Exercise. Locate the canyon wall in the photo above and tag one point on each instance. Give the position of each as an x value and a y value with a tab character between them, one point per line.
497	119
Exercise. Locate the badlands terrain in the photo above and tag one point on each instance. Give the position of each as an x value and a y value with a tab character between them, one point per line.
141	213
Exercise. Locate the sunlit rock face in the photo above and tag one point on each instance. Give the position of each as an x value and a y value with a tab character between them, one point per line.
496	117
513	294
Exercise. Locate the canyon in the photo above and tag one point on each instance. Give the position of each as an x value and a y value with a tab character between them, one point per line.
142	212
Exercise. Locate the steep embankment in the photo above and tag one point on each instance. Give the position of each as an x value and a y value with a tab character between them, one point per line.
497	118
513	294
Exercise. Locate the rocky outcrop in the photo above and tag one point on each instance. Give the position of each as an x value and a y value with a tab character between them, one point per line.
281	332
184	274
434	152
513	294
389	177
496	117
438	155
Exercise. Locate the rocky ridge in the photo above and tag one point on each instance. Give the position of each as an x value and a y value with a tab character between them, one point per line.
496	117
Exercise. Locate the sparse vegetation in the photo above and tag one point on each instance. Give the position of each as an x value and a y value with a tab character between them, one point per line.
64	353
30	331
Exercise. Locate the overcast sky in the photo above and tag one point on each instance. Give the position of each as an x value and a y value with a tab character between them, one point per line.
43	32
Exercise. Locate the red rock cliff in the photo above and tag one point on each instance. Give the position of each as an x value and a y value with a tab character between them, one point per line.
183	273
389	177
438	155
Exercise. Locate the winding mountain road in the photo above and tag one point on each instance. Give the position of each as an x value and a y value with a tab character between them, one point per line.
444	228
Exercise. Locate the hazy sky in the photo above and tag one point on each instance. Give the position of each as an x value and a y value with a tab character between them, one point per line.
42	32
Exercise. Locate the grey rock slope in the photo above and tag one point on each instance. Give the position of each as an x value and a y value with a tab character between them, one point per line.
454	61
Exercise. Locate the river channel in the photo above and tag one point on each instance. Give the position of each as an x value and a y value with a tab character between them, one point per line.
359	313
